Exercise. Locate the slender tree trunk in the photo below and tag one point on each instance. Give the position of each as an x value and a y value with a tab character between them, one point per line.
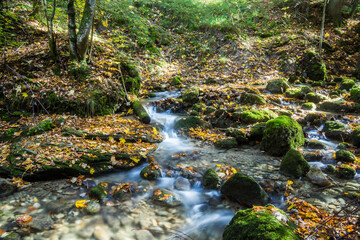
85	27
334	10
91	41
322	27
50	27
72	31
36	6
354	6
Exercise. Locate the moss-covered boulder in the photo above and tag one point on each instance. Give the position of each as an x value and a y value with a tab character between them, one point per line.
346	172
98	193
175	81
347	84
313	67
209	110
141	112
282	134
308	106
150	173
254	116
257	131
238	134
186	123
315	97
344	156
336	130
294	164
245	190
210	179
226	143
43	126
355	94
298	93
277	86
316	145
355	137
252	99
191	96
336	106
260	224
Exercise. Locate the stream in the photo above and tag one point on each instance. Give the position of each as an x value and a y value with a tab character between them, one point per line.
202	215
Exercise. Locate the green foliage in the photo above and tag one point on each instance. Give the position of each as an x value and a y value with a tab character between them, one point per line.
79	71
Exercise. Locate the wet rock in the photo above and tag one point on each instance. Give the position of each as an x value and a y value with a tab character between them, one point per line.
238	134
166	198
98	193
150	173
336	131
344	156
102	232
144	235
210	179
6	187
294	164
11	236
346	172
251	224
316	176
314	97
355	136
336	106
316	145
277	86
226	143
347	84
308	106
257	131
252	99
331	169
58	206
316	119
355	94
245	190
254	116
182	184
191	96
93	207
298	93
186	123
41	222
313	156
280	135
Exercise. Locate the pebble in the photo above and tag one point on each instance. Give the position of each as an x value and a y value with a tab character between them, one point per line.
144	235
102	232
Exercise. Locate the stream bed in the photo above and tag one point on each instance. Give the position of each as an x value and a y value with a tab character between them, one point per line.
203	214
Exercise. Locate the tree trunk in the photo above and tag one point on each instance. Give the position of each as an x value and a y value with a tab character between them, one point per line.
334	10
354	6
50	26
72	31
85	27
358	68
36	6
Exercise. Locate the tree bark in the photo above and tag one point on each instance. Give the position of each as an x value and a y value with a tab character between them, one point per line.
36	6
85	27
72	31
354	6
334	11
50	27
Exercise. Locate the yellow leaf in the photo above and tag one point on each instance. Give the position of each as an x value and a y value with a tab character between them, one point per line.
81	203
155	131
111	139
289	182
135	159
25	95
92	170
130	111
122	140
126	131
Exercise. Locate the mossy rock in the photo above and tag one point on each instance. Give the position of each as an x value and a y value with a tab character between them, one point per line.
238	134
336	131
344	156
166	198
347	84
308	106
98	193
149	173
186	123
43	126
245	190
191	96
355	136
313	67
281	134
254	116
298	93
252	99
314	118
209	110
277	86
346	172
141	112
314	97
199	107
93	207
355	94
175	81
331	169
210	179
259	225
336	106
316	145
226	143
294	164
257	131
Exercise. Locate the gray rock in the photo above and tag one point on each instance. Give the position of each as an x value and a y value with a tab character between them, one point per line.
93	207
144	235
6	187
41	222
102	232
182	184
166	198
316	176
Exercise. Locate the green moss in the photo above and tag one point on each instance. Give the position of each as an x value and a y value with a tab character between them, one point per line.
98	193
210	179
254	116
277	86
79	71
141	112
314	97
287	132
255	225
257	132
191	96
188	122
355	136
355	94
308	106
226	143
244	189
209	110
316	145
150	173
43	126
294	93
176	81
346	172
331	169
347	84
199	107
238	134
337	106
294	164
344	156
252	99
335	130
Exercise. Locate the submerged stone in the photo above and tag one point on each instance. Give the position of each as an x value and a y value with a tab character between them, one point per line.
294	164
93	207
260	225
166	198
282	134
98	193
245	190
150	173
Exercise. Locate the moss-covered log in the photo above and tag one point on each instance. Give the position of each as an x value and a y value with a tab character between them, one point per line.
141	112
